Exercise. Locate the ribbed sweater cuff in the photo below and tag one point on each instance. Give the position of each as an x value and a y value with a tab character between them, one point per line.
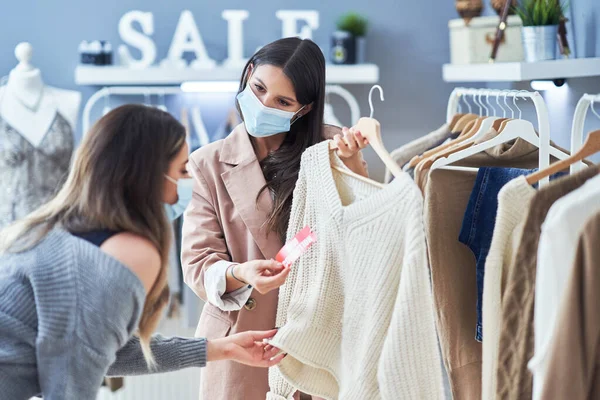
306	366
273	396
192	353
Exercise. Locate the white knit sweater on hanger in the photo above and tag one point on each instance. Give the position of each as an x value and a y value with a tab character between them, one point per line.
356	312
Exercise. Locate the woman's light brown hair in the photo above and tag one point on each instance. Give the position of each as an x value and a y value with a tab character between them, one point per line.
115	182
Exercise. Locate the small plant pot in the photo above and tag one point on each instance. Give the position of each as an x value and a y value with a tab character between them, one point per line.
343	48
539	42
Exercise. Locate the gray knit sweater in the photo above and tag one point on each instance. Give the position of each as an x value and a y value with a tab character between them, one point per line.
67	316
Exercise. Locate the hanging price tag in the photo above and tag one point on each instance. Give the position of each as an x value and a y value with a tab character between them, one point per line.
296	247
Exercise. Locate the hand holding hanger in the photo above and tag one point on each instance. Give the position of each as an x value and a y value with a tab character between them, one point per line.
350	143
370	129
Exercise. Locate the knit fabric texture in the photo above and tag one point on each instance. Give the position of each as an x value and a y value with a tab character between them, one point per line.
574	350
513	200
416	147
516	331
356	312
67	315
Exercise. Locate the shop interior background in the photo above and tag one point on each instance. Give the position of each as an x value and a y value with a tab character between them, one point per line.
408	40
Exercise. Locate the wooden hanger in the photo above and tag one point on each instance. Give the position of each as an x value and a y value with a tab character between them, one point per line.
480	122
488	123
590	147
498	123
461	143
514	129
462	123
467	132
454	120
370	129
485	127
430	156
472	124
500	126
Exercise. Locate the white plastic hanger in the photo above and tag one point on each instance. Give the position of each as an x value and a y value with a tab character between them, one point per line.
487	123
517	128
590	147
578	126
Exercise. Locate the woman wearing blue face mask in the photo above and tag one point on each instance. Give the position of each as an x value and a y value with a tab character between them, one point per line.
83	278
238	216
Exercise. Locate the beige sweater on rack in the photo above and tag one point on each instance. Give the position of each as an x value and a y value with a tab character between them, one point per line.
513	202
356	312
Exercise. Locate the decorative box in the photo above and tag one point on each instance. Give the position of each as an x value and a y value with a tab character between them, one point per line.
472	43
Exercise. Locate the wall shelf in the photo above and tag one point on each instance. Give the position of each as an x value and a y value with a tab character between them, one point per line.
116	75
516	72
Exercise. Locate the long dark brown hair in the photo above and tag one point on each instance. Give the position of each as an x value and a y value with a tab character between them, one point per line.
304	64
116	182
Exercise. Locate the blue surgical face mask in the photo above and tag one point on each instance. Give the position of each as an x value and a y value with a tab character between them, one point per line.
260	120
184	196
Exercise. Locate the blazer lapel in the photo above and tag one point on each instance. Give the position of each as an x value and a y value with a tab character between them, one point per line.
243	183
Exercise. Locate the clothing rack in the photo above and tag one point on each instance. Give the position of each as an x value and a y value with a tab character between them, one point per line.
583	105
348	97
176	90
123	91
541	109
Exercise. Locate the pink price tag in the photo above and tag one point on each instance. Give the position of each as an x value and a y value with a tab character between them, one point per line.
296	247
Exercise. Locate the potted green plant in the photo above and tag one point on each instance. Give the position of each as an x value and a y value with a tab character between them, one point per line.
349	44
540	27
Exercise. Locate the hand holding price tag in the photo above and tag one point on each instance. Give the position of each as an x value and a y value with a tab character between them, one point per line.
267	275
296	247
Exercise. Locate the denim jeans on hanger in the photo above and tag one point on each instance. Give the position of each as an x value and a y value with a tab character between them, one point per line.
479	220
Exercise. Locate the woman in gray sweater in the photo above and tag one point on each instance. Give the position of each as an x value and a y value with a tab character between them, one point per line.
83	278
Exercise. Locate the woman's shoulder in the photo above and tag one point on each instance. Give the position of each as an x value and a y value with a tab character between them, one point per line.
137	253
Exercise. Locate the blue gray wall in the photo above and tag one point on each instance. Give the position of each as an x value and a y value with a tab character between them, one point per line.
408	40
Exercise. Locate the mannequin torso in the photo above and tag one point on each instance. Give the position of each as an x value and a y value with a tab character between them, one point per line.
33	123
36	141
29	106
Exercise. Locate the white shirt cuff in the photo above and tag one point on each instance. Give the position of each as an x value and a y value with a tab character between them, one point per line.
215	283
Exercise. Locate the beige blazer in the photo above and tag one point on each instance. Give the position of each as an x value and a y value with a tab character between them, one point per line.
225	222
